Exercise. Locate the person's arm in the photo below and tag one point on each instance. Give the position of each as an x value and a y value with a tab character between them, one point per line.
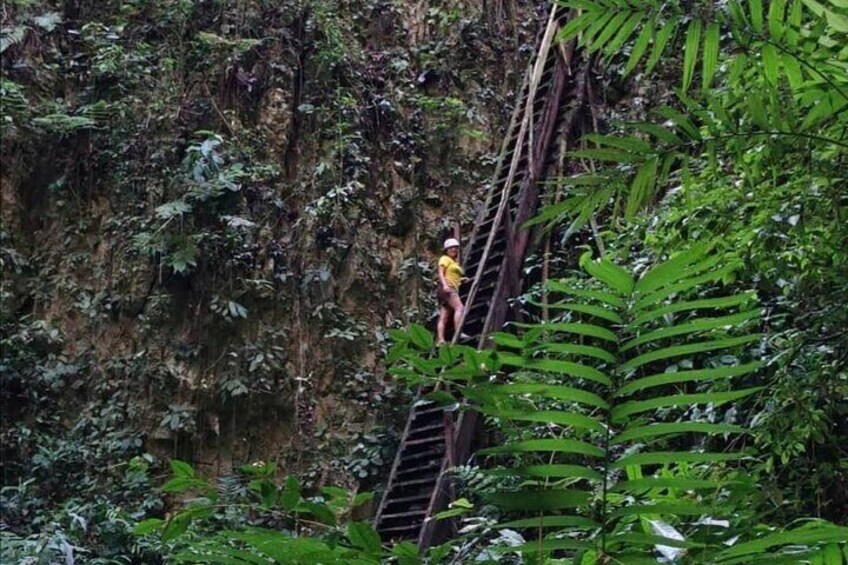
442	278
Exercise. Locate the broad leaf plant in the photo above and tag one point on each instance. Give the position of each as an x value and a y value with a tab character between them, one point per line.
618	437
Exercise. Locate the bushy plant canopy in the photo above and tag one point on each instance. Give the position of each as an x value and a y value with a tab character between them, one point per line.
618	432
773	83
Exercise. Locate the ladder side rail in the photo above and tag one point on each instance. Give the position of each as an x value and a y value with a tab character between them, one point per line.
490	193
466	427
438	500
510	276
571	119
398	456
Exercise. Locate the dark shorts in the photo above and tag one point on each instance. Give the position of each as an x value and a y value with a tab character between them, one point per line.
445	297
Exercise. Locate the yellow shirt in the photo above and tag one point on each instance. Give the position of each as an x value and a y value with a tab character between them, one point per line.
453	272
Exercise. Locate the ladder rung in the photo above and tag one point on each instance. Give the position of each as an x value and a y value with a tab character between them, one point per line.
412	528
499	239
433	452
491	270
478	306
430	428
481	239
471	266
487	284
432	464
414	498
495	254
425	419
426	411
415	482
403	514
425	441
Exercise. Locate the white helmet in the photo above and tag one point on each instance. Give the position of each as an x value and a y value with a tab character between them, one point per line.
451	243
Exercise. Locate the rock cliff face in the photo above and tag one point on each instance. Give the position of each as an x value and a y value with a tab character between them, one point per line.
212	213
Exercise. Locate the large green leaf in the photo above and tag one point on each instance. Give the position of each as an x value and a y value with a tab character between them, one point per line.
622	411
673	458
558	417
678	377
689	349
575	349
363	536
699	325
642	188
690	52
687	306
660	42
756	10
556	366
654	431
771	63
669	271
600	22
551	471
606	297
560	392
639	47
608	272
558	436
535	500
547	445
710	58
574	27
616	23
623	34
688	278
776	12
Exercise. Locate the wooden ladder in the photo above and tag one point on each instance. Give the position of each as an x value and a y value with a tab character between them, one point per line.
418	485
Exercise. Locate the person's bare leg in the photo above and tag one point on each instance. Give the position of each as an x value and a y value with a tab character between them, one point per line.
444	314
458	309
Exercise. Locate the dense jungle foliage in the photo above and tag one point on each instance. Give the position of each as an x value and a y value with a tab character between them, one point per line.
218	216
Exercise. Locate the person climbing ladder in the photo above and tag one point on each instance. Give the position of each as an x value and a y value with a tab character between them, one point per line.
450	277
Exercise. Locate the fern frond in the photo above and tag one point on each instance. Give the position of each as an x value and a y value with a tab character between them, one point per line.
679	377
599	295
690	52
692	305
556	366
593	410
656	431
620	413
698	325
551	522
572	419
576	349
